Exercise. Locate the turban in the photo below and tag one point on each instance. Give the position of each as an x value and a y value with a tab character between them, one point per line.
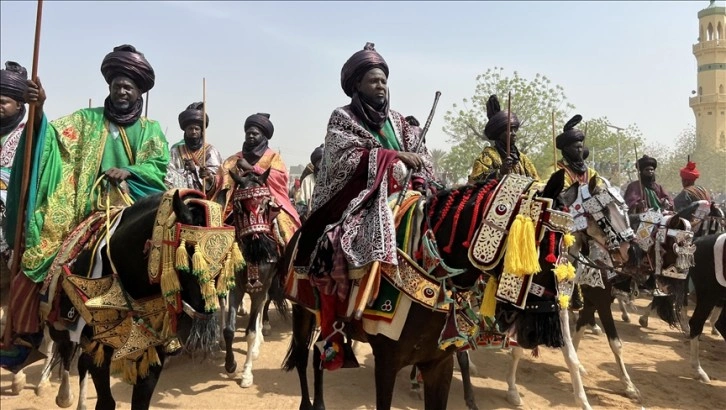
570	134
585	153
261	121
358	64
317	154
126	61
411	120
497	119
13	81
689	172
647	161
193	114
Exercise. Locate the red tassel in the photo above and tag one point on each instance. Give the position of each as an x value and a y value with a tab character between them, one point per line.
551	258
466	244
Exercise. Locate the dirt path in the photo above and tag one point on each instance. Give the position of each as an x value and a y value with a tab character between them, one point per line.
657	359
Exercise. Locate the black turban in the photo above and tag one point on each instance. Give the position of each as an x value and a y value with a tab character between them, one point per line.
570	134
497	119
647	161
192	115
126	61
317	154
411	120
358	64
13	81
261	121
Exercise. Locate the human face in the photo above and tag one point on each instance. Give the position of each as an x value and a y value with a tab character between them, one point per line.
512	135
574	150
193	136
123	92
374	86
254	136
648	172
8	107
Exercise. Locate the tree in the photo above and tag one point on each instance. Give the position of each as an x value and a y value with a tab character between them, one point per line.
533	100
437	157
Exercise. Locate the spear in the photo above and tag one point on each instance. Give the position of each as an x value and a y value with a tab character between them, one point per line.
509	121
554	143
89	103
204	132
146	109
27	157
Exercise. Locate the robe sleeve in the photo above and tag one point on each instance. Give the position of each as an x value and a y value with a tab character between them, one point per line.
632	195
151	160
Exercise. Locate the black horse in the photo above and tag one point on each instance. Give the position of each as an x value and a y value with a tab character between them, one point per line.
253	214
452	213
128	247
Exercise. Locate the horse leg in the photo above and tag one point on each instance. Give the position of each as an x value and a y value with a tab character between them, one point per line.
644	317
415	386
437	377
144	388
50	347
616	346
303	327
573	363
101	376
84	363
266	328
66	348
512	394
385	373
698	319
623	310
712	320
720	324
254	338
587	317
235	298
469	399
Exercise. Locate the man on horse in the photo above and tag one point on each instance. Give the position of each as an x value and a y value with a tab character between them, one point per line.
571	144
257	157
691	192
304	198
13	86
368	150
194	164
72	152
493	160
645	193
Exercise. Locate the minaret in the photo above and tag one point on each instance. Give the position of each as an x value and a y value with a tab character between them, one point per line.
709	102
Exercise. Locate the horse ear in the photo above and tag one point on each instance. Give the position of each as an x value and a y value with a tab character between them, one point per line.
592	185
181	210
555	185
264	176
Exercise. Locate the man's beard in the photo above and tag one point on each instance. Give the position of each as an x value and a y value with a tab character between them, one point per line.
648	180
194	143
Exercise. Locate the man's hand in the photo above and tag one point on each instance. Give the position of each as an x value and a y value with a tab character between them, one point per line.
35	94
244	165
412	160
204	172
117	175
189	166
507	166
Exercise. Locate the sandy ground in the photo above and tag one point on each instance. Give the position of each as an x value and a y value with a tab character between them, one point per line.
657	359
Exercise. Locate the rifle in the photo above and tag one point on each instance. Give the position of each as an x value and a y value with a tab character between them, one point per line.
376	267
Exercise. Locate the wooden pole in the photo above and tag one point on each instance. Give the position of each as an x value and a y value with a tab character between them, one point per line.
554	143
25	180
146	108
89	103
509	122
204	132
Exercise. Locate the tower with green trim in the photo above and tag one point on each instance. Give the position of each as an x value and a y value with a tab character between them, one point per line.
709	103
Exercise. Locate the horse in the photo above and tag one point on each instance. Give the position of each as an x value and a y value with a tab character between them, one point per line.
661	251
253	213
454	215
710	289
124	260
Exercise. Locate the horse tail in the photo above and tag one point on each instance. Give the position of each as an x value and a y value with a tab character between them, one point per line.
277	292
669	307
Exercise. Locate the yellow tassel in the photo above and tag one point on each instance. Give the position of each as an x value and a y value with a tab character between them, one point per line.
182	257
223	278
211	301
144	364
568	240
564	301
130	372
170	285
521	257
99	356
564	271
199	264
237	258
166	326
117	367
489	301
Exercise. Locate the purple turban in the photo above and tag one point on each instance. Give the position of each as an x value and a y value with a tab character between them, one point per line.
261	121
497	119
192	115
358	64
126	61
13	81
570	134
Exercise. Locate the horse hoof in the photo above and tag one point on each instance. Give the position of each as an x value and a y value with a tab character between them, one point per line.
715	332
18	383
230	368
596	330
416	391
266	329
626	318
245	382
513	398
81	407
703	377
643	321
41	388
64	402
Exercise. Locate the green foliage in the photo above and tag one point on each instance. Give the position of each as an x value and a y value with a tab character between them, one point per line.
457	164
533	100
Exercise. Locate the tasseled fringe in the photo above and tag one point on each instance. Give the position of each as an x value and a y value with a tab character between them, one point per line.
209	293
521	256
551	258
489	300
133	370
95	350
535	352
564	301
170	285
182	257
166	327
534	329
568	240
564	271
237	259
199	264
223	278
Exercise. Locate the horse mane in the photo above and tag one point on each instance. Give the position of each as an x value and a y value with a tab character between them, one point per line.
258	248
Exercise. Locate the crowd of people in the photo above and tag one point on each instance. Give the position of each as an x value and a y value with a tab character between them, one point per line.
343	194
